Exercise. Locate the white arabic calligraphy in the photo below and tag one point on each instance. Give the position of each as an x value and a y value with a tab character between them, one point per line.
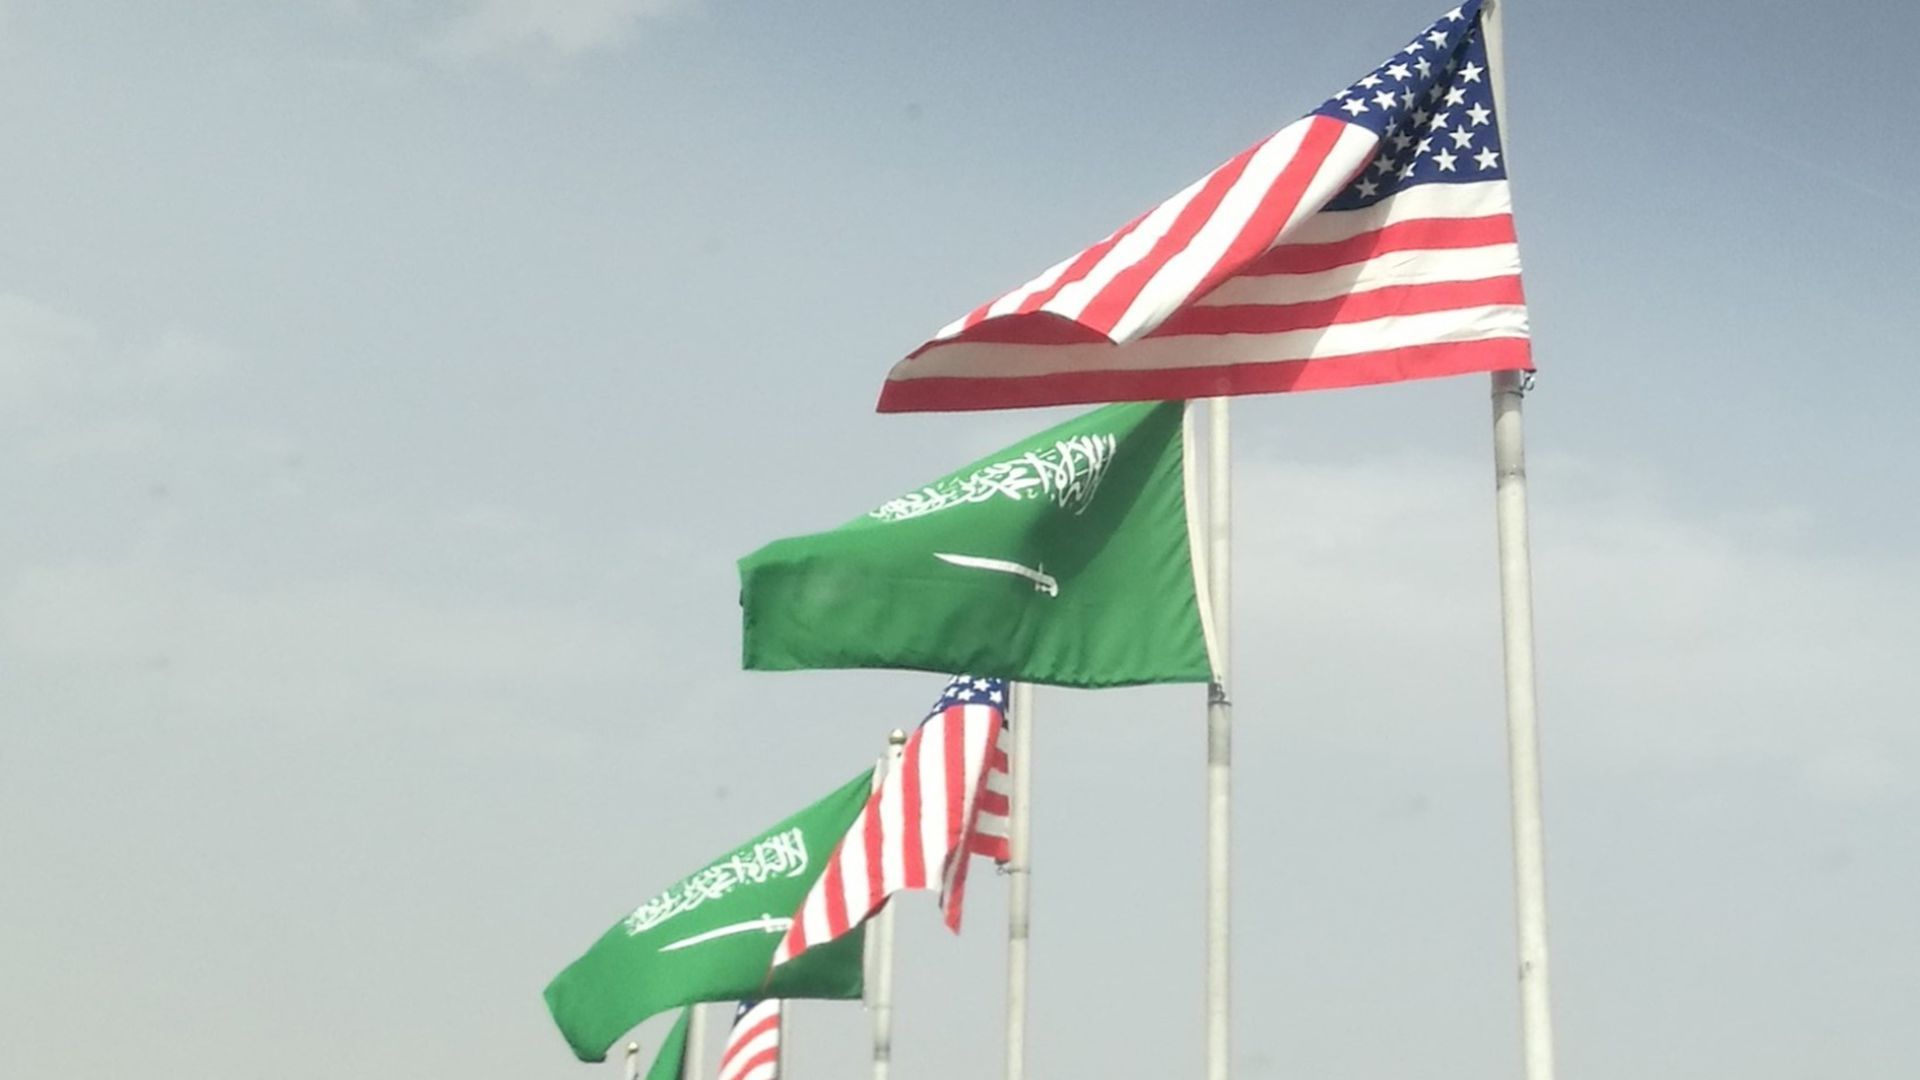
1069	473
781	855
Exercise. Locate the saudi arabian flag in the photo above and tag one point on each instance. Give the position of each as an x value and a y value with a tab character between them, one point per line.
1064	559
711	936
671	1060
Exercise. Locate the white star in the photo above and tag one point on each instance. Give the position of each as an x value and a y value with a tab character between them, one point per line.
1367	189
965	695
1479	114
1370	82
1420	116
1382	164
1406	171
1471	73
994	697
1454	15
1438	37
1407	98
1434	92
1445	160
1456	96
1425	145
1413	46
1439	121
1384	99
1399	72
981	684
1425	69
1462	138
1354	106
1487	158
1401	140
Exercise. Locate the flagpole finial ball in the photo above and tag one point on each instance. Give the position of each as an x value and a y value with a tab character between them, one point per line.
897	738
633	1048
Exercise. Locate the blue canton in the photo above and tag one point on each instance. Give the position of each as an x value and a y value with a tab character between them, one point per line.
1432	106
967	690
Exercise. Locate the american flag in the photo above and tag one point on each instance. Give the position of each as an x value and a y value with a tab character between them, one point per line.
946	802
753	1045
1370	241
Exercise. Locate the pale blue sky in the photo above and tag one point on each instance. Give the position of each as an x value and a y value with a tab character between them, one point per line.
387	387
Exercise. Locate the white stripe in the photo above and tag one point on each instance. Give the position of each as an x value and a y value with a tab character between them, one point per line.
977	360
854	885
1481	198
933	797
1176	279
999	781
975	732
735	1065
981	723
1072	300
813	910
767	1070
1413	267
1196	540
1349	155
892	823
1014	299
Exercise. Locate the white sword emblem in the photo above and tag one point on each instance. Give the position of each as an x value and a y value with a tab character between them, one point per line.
1042	581
765	923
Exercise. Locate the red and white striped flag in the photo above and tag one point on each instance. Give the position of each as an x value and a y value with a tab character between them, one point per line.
922	827
753	1045
1369	242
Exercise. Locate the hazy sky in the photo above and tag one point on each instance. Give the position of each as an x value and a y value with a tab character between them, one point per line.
387	387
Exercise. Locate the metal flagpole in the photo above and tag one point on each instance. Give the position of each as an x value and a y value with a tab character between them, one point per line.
880	940
633	1061
1516	619
780	1041
691	1065
1019	824
1219	747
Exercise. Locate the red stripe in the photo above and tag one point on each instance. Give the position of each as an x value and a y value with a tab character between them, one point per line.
1419	234
1077	269
955	722
765	1057
1112	302
1032	328
1280	202
954	901
1273	377
1346	308
994	802
956	893
833	882
738	1038
912	855
876	880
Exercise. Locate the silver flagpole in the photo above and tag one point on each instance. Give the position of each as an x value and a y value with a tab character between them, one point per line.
691	1064
633	1061
880	940
1019	825
1516	618
1219	747
780	1041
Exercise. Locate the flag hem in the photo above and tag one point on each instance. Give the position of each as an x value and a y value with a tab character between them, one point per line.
1196	549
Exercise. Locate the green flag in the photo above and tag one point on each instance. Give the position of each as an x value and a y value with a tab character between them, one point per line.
1064	559
673	1052
711	936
